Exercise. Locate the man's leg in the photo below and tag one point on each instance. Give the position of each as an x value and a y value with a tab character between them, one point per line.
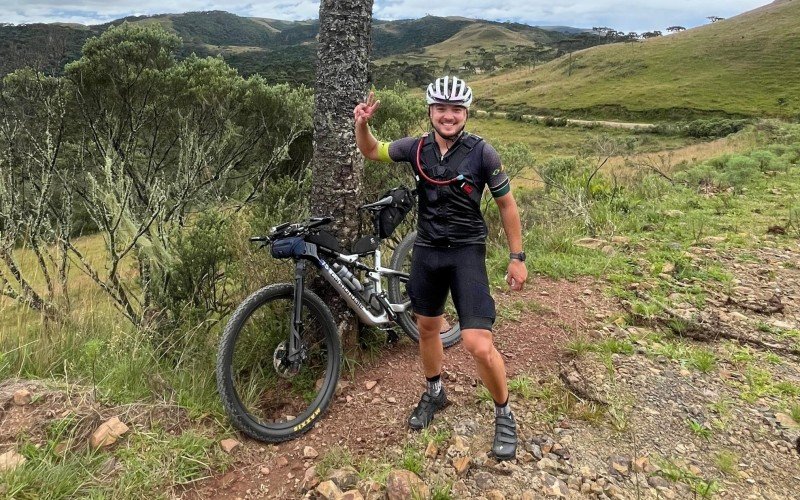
431	353
491	368
430	344
492	371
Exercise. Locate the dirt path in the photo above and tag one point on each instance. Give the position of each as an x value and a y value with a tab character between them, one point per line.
366	423
603	123
636	413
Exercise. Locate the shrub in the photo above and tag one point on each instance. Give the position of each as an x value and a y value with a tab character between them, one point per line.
716	127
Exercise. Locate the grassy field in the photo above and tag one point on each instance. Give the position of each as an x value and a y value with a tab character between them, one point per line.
733	188
746	65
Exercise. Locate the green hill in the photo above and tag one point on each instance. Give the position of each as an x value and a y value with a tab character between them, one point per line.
748	65
284	51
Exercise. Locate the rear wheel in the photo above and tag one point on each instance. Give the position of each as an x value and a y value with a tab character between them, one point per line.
401	261
267	396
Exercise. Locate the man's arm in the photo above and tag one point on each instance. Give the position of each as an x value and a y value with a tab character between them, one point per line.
509	215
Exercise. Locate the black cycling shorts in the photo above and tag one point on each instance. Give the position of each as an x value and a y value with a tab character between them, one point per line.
460	270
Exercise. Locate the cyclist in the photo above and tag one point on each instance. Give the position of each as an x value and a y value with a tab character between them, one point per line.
453	168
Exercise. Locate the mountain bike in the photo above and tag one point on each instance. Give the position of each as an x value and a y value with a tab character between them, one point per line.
279	357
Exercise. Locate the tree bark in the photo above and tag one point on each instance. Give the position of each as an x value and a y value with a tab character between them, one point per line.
342	74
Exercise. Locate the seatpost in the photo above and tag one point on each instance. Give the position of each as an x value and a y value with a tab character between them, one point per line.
297	314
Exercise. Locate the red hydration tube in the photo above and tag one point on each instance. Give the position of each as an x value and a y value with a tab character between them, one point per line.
422	172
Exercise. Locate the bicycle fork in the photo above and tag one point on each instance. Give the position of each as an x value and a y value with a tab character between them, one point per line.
294	354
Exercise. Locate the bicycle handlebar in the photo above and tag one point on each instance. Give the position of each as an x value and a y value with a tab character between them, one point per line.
292	229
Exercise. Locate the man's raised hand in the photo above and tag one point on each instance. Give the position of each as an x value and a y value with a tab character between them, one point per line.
364	111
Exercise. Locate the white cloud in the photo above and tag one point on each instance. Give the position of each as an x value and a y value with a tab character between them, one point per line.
627	16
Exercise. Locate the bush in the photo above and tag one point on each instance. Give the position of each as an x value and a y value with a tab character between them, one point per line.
739	171
191	288
551	121
715	127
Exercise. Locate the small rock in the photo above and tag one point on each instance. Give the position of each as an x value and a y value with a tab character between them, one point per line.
460	445
228	445
614	491
535	450
495	495
265	471
108	433
10	460
658	482
461	465
370	384
345	478
310	479
22	397
405	485
309	452
738	316
552	486
786	421
668	268
641	464
281	461
484	480
431	450
592	243
619	465
351	495
328	490
586	488
546	464
391	400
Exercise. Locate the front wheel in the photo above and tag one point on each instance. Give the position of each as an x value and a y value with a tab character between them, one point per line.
401	261
266	395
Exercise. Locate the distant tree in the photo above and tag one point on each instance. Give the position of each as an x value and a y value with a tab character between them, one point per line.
714	19
651	34
675	29
632	36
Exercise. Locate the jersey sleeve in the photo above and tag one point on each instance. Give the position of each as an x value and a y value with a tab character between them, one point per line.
400	150
497	179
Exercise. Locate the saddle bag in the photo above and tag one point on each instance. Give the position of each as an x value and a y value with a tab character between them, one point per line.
392	215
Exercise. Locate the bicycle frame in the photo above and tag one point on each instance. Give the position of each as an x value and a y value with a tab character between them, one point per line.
354	302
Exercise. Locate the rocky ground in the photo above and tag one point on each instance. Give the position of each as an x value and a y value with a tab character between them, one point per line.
697	401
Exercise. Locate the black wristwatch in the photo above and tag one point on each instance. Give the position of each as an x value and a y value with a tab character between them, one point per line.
519	256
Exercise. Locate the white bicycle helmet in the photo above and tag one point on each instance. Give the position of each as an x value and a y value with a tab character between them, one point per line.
449	90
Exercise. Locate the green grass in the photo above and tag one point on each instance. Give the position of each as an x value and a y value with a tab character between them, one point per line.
727	73
727	462
672	471
548	142
699	429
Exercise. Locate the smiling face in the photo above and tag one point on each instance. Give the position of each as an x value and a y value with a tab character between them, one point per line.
447	119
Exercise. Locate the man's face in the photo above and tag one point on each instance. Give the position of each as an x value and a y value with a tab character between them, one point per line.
448	119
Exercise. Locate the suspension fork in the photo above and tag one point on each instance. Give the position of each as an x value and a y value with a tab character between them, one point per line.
295	343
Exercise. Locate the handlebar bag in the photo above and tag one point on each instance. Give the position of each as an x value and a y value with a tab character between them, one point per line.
285	248
392	215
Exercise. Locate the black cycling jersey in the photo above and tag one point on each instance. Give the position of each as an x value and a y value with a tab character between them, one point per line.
450	215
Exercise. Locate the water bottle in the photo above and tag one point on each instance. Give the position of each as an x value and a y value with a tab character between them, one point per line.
347	277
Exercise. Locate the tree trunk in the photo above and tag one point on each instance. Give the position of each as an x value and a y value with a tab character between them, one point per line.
338	167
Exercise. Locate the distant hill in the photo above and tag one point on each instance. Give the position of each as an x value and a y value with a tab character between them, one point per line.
284	51
748	65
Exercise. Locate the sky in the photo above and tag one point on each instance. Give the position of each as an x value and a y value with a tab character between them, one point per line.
644	15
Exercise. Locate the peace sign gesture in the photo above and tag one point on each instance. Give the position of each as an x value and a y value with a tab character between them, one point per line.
364	110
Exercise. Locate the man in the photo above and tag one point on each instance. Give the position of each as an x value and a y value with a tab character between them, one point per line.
452	169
